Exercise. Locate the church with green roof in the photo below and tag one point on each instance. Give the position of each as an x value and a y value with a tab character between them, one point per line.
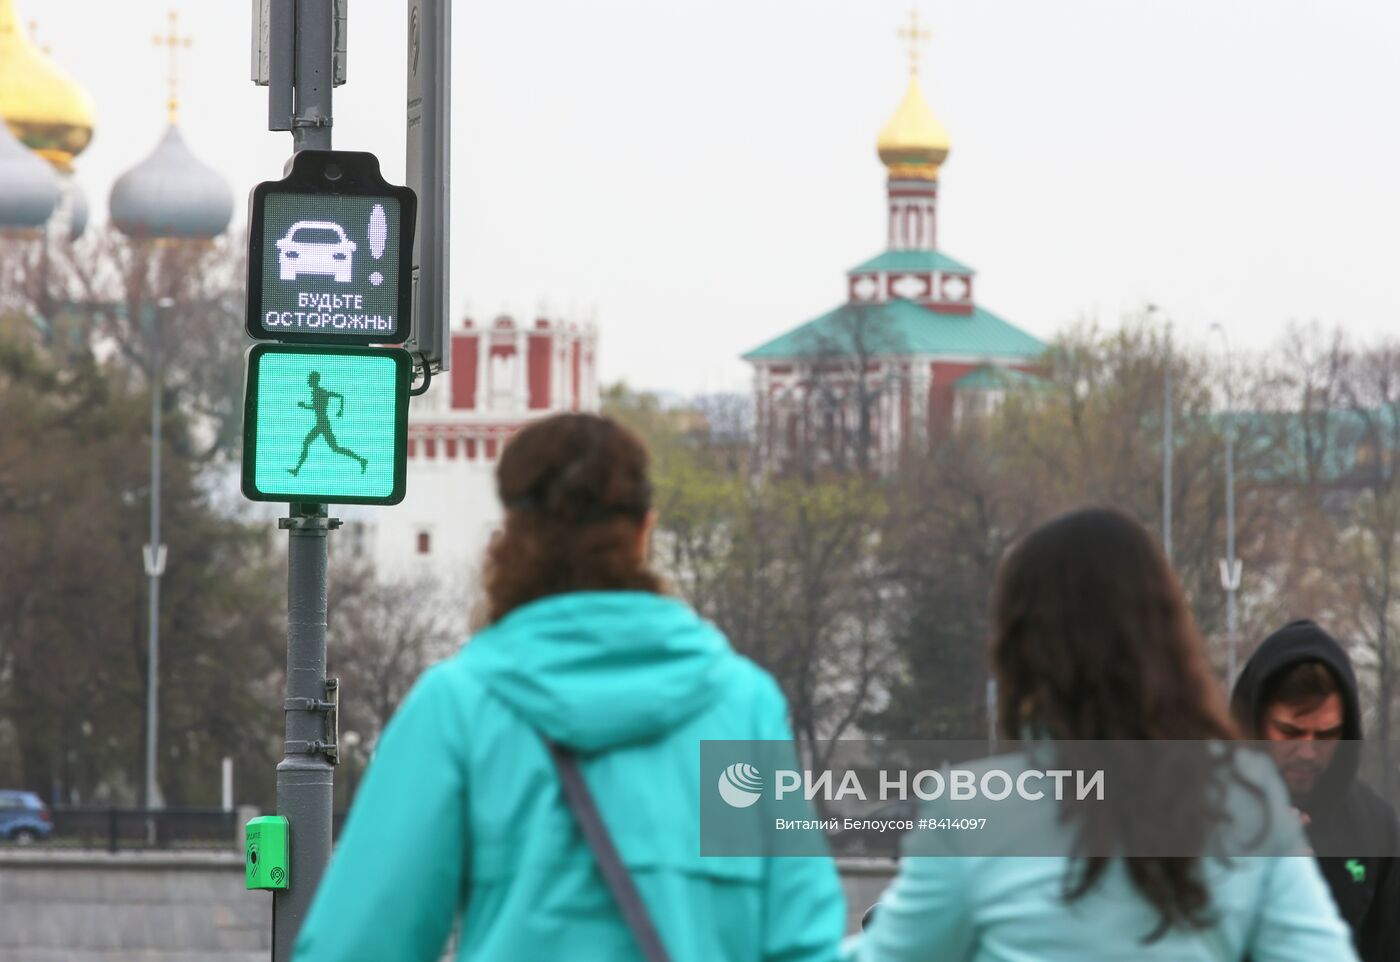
911	351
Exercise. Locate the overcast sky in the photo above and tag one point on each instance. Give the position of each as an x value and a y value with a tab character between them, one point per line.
697	176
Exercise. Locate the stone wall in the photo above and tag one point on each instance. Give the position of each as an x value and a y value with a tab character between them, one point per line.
63	906
66	906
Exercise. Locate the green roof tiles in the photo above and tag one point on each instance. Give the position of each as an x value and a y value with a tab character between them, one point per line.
994	377
901	327
1280	440
899	261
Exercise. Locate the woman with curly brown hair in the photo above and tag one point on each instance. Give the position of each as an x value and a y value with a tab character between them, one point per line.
1092	642
461	814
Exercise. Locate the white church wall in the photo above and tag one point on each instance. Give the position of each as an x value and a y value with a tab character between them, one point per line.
441	529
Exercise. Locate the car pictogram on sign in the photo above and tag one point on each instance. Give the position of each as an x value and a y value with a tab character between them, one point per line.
315	247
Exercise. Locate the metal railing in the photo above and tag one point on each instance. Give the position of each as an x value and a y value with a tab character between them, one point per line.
124	829
133	828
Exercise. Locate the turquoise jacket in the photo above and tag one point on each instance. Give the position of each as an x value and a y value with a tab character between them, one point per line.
952	907
461	818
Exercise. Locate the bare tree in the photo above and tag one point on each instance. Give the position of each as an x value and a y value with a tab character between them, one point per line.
182	298
787	565
72	648
1314	366
381	636
847	377
802	591
1372	391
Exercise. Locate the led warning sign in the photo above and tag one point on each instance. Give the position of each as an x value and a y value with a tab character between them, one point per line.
326	424
331	265
330	250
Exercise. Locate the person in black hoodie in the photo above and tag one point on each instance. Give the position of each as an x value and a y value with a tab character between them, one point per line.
1299	686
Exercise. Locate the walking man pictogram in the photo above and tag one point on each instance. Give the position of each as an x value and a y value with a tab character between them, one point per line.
320	404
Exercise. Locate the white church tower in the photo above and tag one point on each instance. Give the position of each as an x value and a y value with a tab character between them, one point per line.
502	376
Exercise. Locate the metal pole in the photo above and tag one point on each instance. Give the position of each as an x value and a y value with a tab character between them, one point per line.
305	774
1230	576
1231	623
1168	442
427	157
315	74
154	559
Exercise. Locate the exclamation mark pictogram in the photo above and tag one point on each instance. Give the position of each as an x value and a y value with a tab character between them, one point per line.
378	235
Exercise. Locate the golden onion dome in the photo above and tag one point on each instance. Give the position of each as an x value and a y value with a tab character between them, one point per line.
44	107
914	143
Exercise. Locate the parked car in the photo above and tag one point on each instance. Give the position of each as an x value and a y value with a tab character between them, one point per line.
315	247
24	817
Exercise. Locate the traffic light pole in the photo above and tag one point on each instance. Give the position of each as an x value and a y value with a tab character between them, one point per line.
314	74
305	776
296	57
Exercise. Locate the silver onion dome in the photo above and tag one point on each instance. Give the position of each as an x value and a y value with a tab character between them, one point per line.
29	188
171	194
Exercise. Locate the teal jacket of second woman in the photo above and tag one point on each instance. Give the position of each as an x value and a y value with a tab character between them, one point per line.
460	817
950	906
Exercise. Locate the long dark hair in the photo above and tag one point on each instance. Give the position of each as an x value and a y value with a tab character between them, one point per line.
576	494
1092	640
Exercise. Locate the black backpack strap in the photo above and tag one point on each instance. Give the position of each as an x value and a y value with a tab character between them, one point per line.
595	832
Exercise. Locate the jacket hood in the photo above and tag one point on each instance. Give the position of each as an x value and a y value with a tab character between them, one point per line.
598	669
1296	642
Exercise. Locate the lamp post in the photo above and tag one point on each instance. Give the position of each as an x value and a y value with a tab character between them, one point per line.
153	555
1168	450
1168	440
1230	567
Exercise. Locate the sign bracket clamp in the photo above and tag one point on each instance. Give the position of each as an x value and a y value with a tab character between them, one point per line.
308	523
329	710
420	362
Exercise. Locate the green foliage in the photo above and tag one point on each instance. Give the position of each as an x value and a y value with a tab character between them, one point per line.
868	598
74	484
785	566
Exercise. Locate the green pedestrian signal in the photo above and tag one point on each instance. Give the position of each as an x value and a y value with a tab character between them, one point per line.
326	424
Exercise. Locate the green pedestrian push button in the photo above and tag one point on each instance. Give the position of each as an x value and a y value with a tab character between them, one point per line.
267	855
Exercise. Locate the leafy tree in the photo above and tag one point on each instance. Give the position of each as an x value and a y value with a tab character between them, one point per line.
787	566
73	490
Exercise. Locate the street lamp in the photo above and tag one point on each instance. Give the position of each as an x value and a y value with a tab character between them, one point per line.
1230	566
153	555
1168	440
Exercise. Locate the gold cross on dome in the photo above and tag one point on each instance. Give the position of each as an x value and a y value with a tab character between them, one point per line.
915	35
174	42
